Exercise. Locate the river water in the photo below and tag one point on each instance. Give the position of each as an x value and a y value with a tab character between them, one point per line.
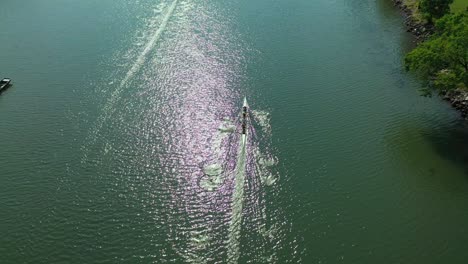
120	138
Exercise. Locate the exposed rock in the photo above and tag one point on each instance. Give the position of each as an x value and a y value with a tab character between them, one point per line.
458	98
420	30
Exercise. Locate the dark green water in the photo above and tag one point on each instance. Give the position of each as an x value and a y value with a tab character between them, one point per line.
117	145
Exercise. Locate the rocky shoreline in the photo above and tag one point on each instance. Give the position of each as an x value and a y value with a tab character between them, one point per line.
422	31
458	99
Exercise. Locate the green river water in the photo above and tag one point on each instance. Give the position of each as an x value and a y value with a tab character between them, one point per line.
120	137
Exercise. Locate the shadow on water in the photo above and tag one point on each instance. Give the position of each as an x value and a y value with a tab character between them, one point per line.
451	142
428	147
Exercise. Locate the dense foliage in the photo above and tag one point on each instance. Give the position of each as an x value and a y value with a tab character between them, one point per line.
435	8
443	59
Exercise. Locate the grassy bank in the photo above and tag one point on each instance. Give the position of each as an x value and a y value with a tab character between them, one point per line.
413	6
459	5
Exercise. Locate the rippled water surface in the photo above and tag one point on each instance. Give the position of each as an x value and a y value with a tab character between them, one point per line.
121	137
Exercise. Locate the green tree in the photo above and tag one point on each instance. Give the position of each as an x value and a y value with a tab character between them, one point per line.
442	61
435	8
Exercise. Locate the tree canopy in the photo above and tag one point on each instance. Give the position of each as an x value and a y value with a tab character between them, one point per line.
435	8
443	59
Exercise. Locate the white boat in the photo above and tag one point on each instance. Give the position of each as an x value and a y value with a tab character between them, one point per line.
4	83
245	112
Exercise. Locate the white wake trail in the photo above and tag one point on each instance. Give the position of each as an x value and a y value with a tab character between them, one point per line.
150	45
108	107
237	203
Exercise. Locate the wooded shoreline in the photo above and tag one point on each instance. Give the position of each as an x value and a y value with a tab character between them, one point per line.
422	31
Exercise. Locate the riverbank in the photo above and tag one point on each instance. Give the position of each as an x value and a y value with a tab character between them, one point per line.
413	20
422	31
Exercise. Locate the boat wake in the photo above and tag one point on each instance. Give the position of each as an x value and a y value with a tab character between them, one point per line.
150	45
254	177
214	171
237	202
108	108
